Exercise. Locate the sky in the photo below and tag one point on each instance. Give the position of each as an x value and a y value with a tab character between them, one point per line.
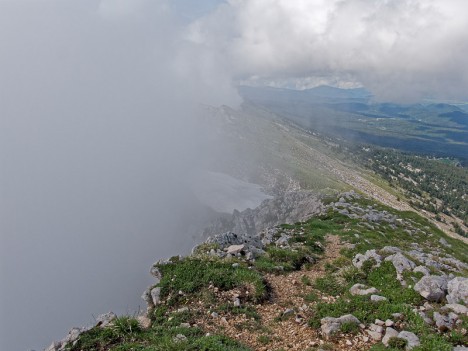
399	49
100	125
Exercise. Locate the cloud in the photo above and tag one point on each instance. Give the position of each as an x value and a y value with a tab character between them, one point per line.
400	49
98	132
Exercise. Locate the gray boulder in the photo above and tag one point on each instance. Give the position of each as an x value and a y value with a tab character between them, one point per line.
155	272
458	291
156	295
179	338
359	259
457	308
389	333
235	249
375	332
432	287
400	262
444	242
330	325
390	250
411	338
361	289
104	320
422	269
443	323
377	298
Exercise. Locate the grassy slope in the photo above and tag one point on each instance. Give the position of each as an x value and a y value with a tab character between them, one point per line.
296	157
204	281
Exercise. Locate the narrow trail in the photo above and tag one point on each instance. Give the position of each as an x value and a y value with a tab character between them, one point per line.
288	332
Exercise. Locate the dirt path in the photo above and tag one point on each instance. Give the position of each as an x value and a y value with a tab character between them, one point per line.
289	332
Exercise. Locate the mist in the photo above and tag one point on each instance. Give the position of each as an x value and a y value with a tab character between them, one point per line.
99	130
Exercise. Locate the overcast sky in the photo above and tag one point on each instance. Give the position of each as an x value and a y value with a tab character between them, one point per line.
98	127
400	49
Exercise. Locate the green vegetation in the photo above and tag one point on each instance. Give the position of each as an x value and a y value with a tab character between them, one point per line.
349	328
205	282
125	334
397	343
432	185
191	275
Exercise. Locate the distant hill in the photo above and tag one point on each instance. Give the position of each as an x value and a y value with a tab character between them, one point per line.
438	129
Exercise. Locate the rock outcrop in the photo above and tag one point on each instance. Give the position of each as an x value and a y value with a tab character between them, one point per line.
290	207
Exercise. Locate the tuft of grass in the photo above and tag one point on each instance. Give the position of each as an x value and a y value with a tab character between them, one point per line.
329	285
306	280
349	328
264	339
397	343
311	297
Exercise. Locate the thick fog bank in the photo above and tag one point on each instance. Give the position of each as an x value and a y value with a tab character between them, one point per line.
98	134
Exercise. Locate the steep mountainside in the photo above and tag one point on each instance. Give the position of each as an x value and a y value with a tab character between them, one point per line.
336	260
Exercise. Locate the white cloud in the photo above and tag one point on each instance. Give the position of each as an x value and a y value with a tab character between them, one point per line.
399	48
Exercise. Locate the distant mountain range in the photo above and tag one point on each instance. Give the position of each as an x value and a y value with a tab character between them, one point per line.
434	128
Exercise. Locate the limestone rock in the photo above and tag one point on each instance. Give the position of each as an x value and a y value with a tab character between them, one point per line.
375	332
444	242
330	325
235	249
390	249
179	338
155	272
144	322
400	262
361	289
288	312
104	320
359	259
289	207
411	338
156	295
458	291
457	308
377	298
422	269
432	287
389	333
442	322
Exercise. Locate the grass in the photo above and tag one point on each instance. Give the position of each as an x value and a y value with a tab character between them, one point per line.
307	244
349	328
186	280
156	338
191	275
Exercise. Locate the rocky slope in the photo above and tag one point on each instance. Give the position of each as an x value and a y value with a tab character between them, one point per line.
351	274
